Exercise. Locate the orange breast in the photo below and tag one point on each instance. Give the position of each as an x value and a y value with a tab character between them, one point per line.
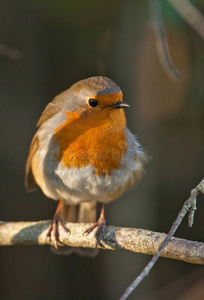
97	140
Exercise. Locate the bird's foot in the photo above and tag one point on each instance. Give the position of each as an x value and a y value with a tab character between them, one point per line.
101	224
54	226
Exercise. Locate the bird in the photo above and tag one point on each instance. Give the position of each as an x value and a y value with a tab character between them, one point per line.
83	153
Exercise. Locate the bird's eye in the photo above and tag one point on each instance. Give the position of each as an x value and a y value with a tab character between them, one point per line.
93	102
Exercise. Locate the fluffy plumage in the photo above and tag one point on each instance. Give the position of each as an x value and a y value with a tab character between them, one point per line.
84	154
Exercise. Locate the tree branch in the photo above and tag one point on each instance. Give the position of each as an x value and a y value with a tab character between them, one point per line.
190	14
161	41
115	238
189	206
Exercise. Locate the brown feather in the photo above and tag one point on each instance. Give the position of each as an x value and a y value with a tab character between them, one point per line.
81	213
30	183
50	110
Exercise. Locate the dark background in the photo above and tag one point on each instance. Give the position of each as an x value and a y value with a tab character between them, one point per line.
62	42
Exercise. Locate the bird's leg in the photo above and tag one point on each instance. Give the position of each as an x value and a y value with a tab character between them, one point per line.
101	224
54	225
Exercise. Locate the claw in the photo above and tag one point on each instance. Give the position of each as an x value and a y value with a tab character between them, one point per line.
54	226
101	224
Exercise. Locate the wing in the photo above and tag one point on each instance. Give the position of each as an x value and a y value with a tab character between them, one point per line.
30	183
51	109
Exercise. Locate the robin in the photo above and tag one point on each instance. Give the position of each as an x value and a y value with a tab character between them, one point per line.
83	153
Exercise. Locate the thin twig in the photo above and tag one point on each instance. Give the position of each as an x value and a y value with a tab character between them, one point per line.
10	53
190	14
161	41
190	206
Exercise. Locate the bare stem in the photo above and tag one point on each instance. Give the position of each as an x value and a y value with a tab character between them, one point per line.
190	14
9	52
189	205
161	41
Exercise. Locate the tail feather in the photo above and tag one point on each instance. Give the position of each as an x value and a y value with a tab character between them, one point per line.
69	213
81	213
87	213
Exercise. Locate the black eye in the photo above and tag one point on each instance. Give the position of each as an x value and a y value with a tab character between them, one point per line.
93	102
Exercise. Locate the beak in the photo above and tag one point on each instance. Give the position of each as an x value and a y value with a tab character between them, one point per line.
120	104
